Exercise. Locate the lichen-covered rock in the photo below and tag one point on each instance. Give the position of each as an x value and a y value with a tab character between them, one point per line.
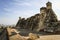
33	36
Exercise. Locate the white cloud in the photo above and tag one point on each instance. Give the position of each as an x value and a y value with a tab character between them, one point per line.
24	4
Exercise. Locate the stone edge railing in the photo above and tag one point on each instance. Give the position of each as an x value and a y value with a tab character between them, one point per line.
4	34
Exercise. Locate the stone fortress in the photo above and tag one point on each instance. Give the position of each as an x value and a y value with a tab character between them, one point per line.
46	20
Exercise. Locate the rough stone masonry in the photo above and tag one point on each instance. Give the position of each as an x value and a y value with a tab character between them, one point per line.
46	20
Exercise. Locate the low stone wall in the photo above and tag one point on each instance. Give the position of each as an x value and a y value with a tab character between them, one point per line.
4	34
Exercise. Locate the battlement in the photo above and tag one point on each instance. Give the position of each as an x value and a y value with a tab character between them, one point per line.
49	5
43	10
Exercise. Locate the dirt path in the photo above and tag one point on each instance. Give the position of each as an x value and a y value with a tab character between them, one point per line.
50	37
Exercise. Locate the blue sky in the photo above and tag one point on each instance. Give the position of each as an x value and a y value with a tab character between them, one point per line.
11	10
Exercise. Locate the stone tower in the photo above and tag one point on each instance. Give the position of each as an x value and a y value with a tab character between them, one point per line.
49	5
19	18
47	17
43	10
